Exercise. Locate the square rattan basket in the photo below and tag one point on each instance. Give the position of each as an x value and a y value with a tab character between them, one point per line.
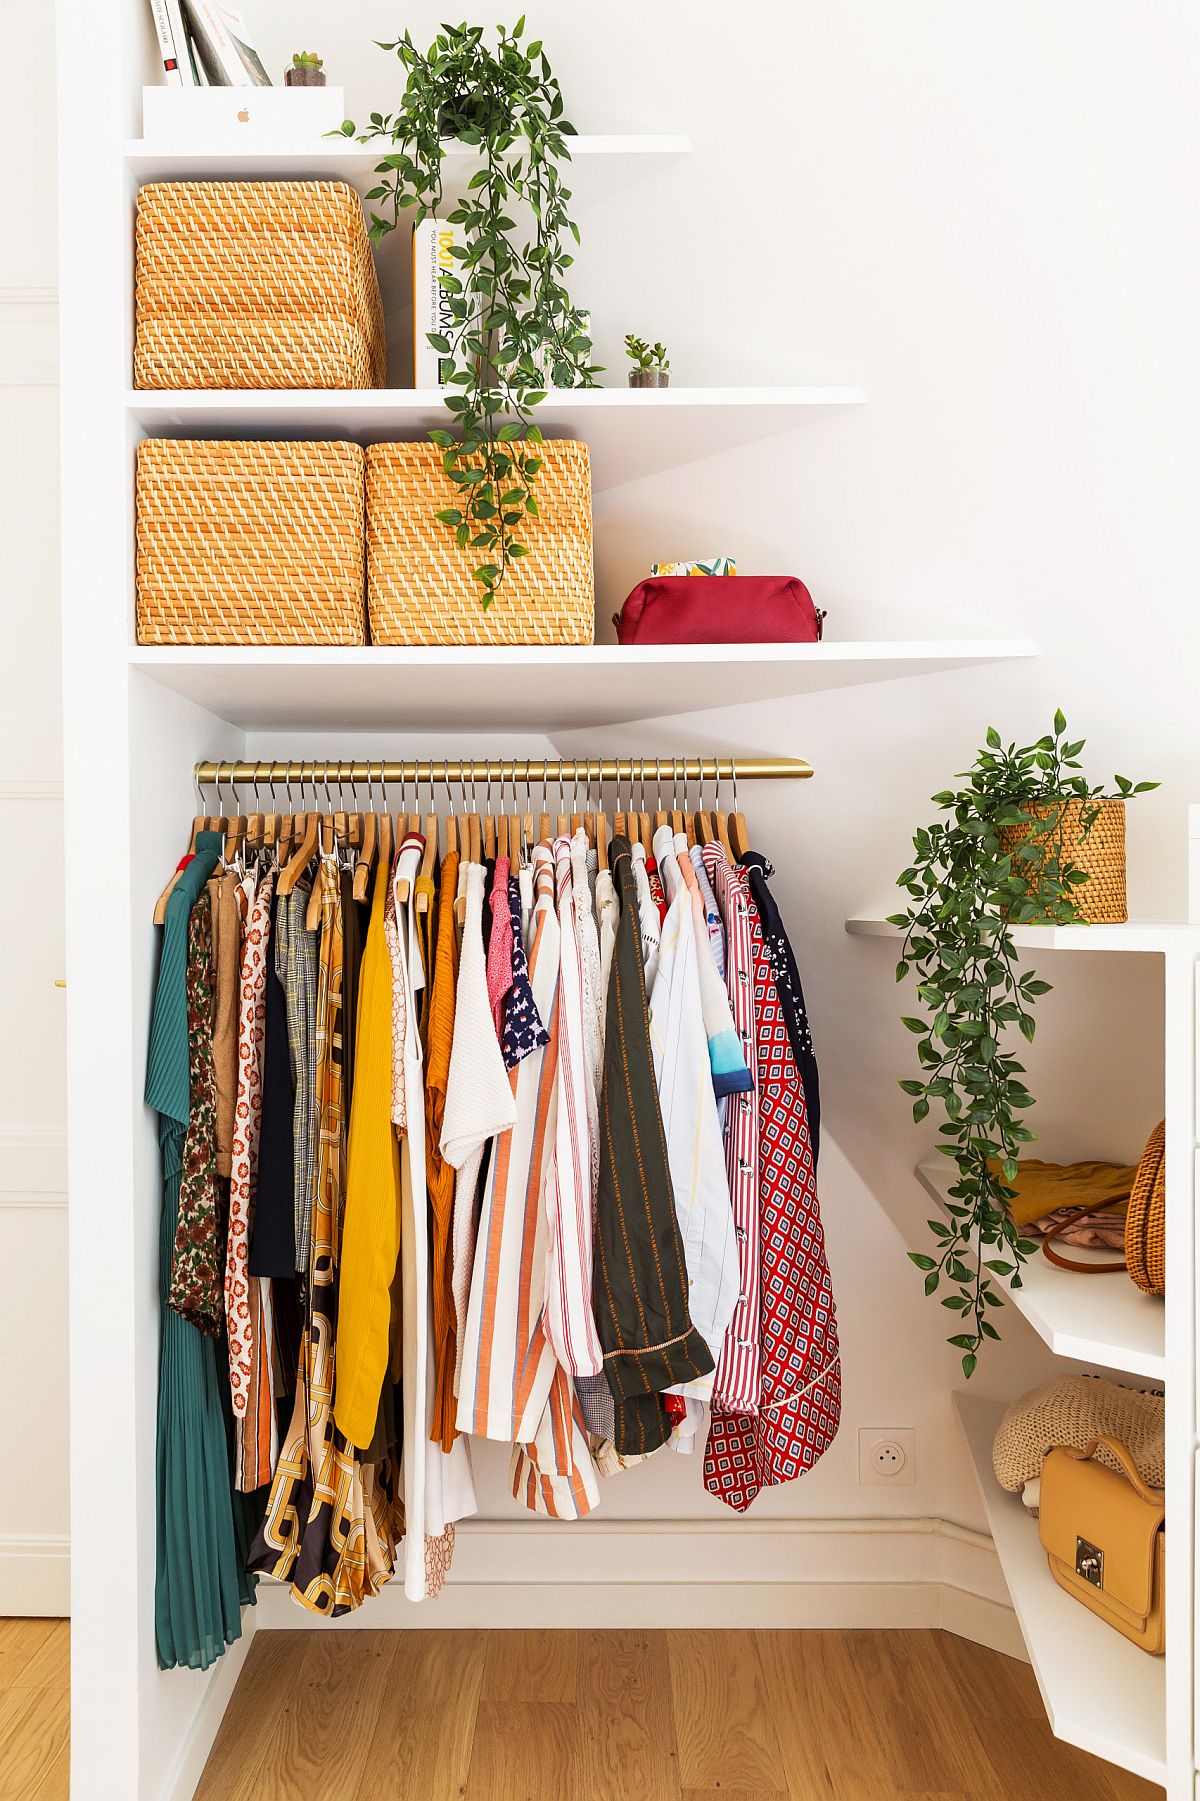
420	585
249	542
255	284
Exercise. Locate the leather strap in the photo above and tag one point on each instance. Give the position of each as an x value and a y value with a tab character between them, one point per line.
1124	1457
1077	1265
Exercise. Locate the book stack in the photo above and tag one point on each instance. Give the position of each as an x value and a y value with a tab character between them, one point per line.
204	43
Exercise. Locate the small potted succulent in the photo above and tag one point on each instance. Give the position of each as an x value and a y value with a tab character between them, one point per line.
307	71
650	366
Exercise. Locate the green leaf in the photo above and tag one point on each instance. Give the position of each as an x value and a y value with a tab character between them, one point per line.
921	1260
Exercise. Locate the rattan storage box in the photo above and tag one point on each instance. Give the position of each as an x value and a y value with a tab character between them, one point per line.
255	284
420	585
249	543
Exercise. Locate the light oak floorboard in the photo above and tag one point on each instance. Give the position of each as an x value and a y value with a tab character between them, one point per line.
627	1717
724	1729
19	1640
531	1666
425	1731
526	1751
33	1732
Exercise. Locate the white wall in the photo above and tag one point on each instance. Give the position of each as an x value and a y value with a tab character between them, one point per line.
34	1567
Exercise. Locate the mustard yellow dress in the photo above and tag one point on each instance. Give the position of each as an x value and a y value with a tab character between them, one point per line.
371	1229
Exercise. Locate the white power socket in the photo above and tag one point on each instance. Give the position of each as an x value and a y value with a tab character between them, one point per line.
887	1456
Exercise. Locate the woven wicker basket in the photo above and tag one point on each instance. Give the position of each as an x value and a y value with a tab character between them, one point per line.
1101	900
249	543
1146	1217
420	585
255	284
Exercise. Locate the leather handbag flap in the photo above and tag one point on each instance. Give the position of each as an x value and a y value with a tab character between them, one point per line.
1095	1522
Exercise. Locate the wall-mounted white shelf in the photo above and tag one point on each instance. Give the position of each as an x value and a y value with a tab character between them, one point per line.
600	165
1101	1693
1098	1319
631	431
561	686
1161	936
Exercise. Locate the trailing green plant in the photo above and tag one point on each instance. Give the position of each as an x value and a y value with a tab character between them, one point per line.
507	297
968	890
645	356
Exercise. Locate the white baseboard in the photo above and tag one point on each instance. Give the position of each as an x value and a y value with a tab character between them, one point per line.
28	337
892	1573
35	1577
189	1764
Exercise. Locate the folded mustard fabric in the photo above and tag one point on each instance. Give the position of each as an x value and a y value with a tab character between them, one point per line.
1043	1188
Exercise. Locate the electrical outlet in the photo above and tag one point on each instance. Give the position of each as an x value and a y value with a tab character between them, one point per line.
887	1456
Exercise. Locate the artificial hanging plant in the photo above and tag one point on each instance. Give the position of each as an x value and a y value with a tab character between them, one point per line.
508	300
970	883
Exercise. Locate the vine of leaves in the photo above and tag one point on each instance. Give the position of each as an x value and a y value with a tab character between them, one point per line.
511	315
969	886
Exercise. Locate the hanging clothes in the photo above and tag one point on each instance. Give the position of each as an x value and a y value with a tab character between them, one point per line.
789	989
296	967
201	1583
800	1399
649	1341
439	1175
508	1363
371	1233
249	1308
273	1228
695	1152
314	1534
479	1101
570	1320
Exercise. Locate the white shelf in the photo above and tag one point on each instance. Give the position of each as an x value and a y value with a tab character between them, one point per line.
1101	1693
600	166
562	686
1138	935
631	431
1098	1319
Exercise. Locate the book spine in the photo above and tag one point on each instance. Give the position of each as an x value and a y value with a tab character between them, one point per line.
214	46
183	48
172	68
433	240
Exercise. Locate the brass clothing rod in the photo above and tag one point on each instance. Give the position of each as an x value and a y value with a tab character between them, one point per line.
506	770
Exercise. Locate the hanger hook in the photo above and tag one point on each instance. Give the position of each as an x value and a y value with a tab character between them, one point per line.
733	778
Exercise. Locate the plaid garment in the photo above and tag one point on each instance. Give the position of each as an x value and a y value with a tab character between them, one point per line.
640	1284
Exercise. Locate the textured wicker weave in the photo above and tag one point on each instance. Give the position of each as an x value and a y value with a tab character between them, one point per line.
420	586
1102	854
1146	1217
255	284
249	543
1072	1410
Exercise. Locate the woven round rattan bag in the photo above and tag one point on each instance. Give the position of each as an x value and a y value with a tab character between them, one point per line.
1146	1217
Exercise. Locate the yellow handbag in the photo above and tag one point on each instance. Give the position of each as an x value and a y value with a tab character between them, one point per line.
1103	1535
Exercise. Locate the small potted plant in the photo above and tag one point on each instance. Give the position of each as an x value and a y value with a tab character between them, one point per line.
1026	840
650	366
307	71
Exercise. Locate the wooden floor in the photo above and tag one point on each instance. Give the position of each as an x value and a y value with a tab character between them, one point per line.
642	1716
35	1709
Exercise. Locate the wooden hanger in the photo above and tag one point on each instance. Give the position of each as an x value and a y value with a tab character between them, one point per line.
489	835
451	834
602	840
299	861
502	835
739	837
428	858
474	839
312	917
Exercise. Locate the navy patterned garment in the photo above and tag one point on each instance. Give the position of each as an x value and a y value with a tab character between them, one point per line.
782	960
523	1028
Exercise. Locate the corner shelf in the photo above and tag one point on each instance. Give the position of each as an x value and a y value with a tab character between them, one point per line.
561	686
1149	935
1101	1319
1101	1693
601	165
631	432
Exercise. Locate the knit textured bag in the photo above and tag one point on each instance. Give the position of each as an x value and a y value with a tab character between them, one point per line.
1073	1410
